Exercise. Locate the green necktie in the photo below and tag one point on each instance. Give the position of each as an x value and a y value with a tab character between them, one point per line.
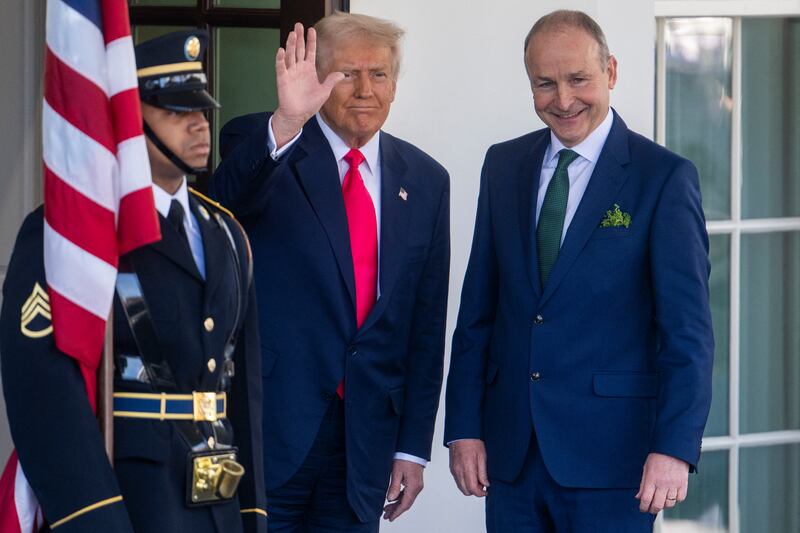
551	216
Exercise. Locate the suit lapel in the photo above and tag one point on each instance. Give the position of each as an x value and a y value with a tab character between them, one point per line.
319	176
395	217
173	247
528	191
607	179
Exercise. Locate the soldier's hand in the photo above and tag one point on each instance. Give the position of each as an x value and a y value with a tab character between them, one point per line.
300	93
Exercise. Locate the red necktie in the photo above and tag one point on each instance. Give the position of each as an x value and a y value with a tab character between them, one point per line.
363	227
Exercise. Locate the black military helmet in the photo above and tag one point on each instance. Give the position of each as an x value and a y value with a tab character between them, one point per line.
170	71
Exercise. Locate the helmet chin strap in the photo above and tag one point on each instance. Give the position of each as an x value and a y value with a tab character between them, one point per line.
177	161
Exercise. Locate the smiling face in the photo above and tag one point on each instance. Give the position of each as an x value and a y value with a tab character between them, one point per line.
186	134
359	104
571	88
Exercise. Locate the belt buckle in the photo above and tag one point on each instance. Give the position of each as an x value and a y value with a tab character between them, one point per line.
205	406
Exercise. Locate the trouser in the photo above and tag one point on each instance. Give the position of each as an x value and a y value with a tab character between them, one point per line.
314	500
536	503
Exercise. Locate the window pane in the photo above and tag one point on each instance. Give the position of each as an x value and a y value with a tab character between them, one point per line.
163	2
266	4
720	253
706	506
770	336
769	489
699	103
143	33
770	117
244	73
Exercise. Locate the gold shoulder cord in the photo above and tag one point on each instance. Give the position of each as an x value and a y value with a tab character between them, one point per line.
208	200
248	250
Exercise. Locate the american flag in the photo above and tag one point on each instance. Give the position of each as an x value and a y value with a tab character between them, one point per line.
97	193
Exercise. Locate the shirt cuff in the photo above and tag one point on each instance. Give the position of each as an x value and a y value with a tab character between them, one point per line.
273	152
412	458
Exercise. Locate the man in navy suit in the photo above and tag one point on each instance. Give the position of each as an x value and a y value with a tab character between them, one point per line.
350	235
580	378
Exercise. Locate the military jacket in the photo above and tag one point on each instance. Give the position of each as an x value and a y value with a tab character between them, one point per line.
55	432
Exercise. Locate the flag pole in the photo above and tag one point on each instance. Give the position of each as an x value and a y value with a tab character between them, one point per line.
105	388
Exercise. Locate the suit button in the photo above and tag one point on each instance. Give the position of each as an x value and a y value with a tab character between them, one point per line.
352	351
212	365
535	376
538	320
327	396
208	323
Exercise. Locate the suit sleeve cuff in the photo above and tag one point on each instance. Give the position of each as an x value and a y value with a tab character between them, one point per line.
412	458
272	144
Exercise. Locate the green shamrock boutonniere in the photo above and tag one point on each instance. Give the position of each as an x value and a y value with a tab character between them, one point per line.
615	218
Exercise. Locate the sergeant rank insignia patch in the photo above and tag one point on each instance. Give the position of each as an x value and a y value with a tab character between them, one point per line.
35	318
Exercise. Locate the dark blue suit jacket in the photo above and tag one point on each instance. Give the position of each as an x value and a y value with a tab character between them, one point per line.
611	359
294	214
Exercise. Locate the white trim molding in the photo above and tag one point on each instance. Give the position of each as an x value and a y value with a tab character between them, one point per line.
726	8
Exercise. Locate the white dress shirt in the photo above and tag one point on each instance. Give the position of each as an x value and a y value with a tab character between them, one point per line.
579	170
164	201
370	170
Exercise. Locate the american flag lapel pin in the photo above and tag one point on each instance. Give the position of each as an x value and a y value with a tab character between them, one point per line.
403	194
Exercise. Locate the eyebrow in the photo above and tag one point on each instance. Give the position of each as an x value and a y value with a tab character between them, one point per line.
578	74
370	67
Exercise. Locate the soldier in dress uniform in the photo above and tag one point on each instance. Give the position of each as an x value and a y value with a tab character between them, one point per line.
187	387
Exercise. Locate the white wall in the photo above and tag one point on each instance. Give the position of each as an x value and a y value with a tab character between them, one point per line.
19	124
464	88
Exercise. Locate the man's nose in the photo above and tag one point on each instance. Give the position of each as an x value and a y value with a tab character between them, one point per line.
363	86
564	98
198	121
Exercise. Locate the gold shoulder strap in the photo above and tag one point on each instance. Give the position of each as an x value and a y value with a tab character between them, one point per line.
206	200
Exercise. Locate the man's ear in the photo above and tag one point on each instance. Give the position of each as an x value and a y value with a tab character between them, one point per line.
611	69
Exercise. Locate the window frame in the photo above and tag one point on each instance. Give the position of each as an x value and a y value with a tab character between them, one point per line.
208	16
735	226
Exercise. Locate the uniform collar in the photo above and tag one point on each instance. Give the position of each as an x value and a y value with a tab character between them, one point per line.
164	200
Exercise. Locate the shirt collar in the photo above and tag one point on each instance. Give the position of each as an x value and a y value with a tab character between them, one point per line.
340	148
164	199
588	149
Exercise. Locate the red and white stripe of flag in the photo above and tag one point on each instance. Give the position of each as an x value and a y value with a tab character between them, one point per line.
96	170
97	187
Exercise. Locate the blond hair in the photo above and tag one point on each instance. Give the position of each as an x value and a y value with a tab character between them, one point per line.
338	27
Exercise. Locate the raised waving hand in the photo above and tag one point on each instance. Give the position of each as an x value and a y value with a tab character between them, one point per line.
300	93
